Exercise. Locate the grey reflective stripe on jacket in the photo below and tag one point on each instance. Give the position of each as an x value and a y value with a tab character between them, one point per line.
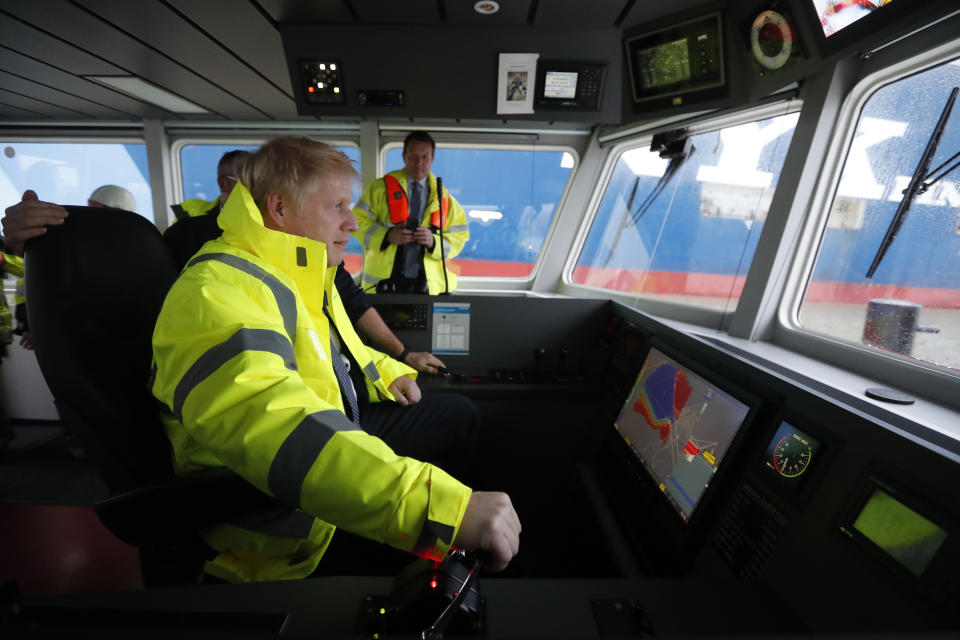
299	451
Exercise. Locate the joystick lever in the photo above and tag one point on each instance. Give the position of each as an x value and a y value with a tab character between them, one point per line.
429	597
435	631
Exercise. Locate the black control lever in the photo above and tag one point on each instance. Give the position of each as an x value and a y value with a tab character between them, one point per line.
435	631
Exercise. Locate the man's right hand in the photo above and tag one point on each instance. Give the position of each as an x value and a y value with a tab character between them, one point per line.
491	525
27	219
424	361
399	235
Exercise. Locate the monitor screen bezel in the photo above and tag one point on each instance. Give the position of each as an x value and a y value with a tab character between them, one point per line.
914	500
719	482
665	96
580	100
884	24
828	446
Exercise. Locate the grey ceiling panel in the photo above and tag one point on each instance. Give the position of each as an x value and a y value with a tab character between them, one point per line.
165	31
245	31
59	98
643	12
511	14
76	26
37	106
412	12
578	13
307	10
14	113
52	77
36	44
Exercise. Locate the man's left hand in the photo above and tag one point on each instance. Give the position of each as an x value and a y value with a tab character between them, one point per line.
405	391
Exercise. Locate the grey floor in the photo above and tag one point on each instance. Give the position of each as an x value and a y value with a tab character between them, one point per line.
41	465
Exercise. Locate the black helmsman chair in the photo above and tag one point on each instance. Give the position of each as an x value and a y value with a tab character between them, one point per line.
94	288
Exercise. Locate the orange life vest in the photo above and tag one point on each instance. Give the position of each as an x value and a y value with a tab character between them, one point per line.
400	207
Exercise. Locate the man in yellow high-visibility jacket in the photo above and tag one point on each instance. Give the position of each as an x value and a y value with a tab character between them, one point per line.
13	265
400	218
253	380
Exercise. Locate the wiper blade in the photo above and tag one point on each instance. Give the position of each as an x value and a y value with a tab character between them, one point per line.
917	183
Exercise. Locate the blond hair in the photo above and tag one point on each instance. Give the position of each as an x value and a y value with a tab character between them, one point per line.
292	166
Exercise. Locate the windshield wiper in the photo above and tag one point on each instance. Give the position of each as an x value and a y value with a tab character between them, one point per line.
919	182
673	145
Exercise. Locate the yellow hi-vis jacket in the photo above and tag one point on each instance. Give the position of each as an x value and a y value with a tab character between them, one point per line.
13	265
242	364
373	217
193	208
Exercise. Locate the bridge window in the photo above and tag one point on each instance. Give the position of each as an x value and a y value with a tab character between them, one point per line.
68	172
887	275
510	197
198	173
685	230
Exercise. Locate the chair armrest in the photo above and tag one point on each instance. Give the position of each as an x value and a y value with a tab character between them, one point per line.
181	506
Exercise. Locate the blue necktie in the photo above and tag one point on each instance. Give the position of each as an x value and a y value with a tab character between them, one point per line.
343	379
411	252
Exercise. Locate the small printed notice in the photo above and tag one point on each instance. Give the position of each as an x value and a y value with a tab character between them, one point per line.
515	82
451	328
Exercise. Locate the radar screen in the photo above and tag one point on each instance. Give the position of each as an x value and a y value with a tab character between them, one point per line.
790	454
680	426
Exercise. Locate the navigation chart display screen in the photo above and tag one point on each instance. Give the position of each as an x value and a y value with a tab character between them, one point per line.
680	426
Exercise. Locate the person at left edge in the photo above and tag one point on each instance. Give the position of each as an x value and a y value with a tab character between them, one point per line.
249	381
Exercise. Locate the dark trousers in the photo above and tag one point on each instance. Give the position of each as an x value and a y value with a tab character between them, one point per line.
440	429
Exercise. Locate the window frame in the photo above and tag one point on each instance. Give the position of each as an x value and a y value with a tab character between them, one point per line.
487	283
108	137
916	376
687	313
179	142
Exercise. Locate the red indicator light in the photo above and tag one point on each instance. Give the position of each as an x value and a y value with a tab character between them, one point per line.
433	583
310	89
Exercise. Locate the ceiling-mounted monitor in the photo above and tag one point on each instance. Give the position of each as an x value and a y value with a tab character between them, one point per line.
678	64
847	26
837	15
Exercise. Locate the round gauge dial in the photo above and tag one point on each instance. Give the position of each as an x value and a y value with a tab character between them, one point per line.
771	39
792	455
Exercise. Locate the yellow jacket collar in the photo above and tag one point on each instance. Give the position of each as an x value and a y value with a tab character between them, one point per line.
301	258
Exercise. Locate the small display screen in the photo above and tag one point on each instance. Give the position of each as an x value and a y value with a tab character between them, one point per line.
680	426
560	84
664	65
898	530
684	58
835	16
790	454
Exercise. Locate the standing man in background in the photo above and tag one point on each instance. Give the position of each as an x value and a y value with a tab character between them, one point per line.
400	222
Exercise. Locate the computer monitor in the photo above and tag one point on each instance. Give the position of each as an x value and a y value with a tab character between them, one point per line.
681	423
681	63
